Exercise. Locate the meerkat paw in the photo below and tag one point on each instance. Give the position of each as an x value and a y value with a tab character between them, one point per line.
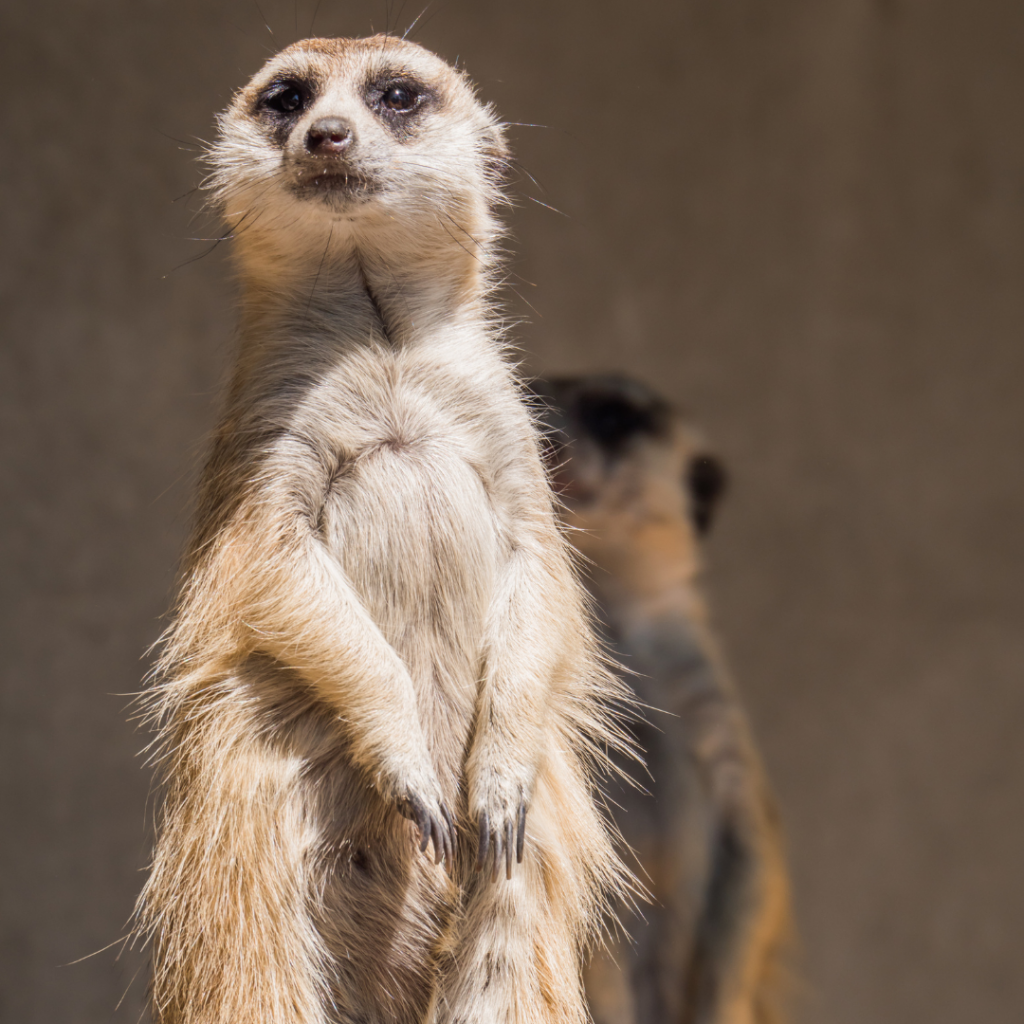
502	828
435	823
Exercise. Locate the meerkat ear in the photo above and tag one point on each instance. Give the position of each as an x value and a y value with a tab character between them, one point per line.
706	481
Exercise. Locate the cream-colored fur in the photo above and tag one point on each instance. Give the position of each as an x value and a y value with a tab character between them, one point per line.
379	618
710	948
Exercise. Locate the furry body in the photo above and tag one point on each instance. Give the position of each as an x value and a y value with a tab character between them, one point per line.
379	618
705	832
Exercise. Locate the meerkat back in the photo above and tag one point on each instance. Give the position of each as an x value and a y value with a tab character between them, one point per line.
380	704
639	491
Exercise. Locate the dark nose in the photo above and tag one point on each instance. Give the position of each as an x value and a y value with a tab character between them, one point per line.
330	136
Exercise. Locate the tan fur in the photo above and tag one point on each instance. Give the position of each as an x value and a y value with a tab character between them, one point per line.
378	611
710	949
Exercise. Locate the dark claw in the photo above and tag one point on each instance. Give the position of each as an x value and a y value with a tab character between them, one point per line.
484	843
410	807
430	828
497	856
521	835
508	851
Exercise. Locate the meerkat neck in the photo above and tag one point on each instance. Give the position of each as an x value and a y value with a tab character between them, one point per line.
332	279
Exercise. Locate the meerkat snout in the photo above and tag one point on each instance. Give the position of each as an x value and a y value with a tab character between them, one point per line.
330	137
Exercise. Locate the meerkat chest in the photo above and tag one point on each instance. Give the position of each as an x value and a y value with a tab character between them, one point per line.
410	512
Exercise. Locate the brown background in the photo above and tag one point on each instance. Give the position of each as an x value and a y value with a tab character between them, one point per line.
802	219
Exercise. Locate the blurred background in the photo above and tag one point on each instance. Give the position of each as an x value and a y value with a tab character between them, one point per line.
802	220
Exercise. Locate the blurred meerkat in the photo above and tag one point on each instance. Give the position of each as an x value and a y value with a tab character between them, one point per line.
640	490
379	618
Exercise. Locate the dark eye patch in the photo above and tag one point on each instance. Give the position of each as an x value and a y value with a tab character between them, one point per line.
611	420
398	99
288	97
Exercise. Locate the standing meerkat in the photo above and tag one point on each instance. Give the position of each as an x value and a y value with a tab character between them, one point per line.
640	491
380	643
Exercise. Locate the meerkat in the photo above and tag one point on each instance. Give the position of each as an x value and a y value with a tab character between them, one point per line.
640	490
380	649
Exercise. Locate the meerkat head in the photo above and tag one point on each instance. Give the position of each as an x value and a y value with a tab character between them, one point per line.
362	138
618	446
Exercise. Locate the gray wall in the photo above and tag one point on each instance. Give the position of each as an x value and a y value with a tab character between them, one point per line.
801	219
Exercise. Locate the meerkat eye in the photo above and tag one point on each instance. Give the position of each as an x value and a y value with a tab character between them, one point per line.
287	98
400	98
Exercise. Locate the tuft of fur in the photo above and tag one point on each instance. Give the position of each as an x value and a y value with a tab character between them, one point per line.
638	490
380	642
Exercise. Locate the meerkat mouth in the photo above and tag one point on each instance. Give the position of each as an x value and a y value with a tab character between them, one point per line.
332	184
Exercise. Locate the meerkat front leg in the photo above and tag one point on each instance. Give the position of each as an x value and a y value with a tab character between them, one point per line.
522	656
298	605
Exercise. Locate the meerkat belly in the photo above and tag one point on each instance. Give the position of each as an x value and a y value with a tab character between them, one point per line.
412	526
